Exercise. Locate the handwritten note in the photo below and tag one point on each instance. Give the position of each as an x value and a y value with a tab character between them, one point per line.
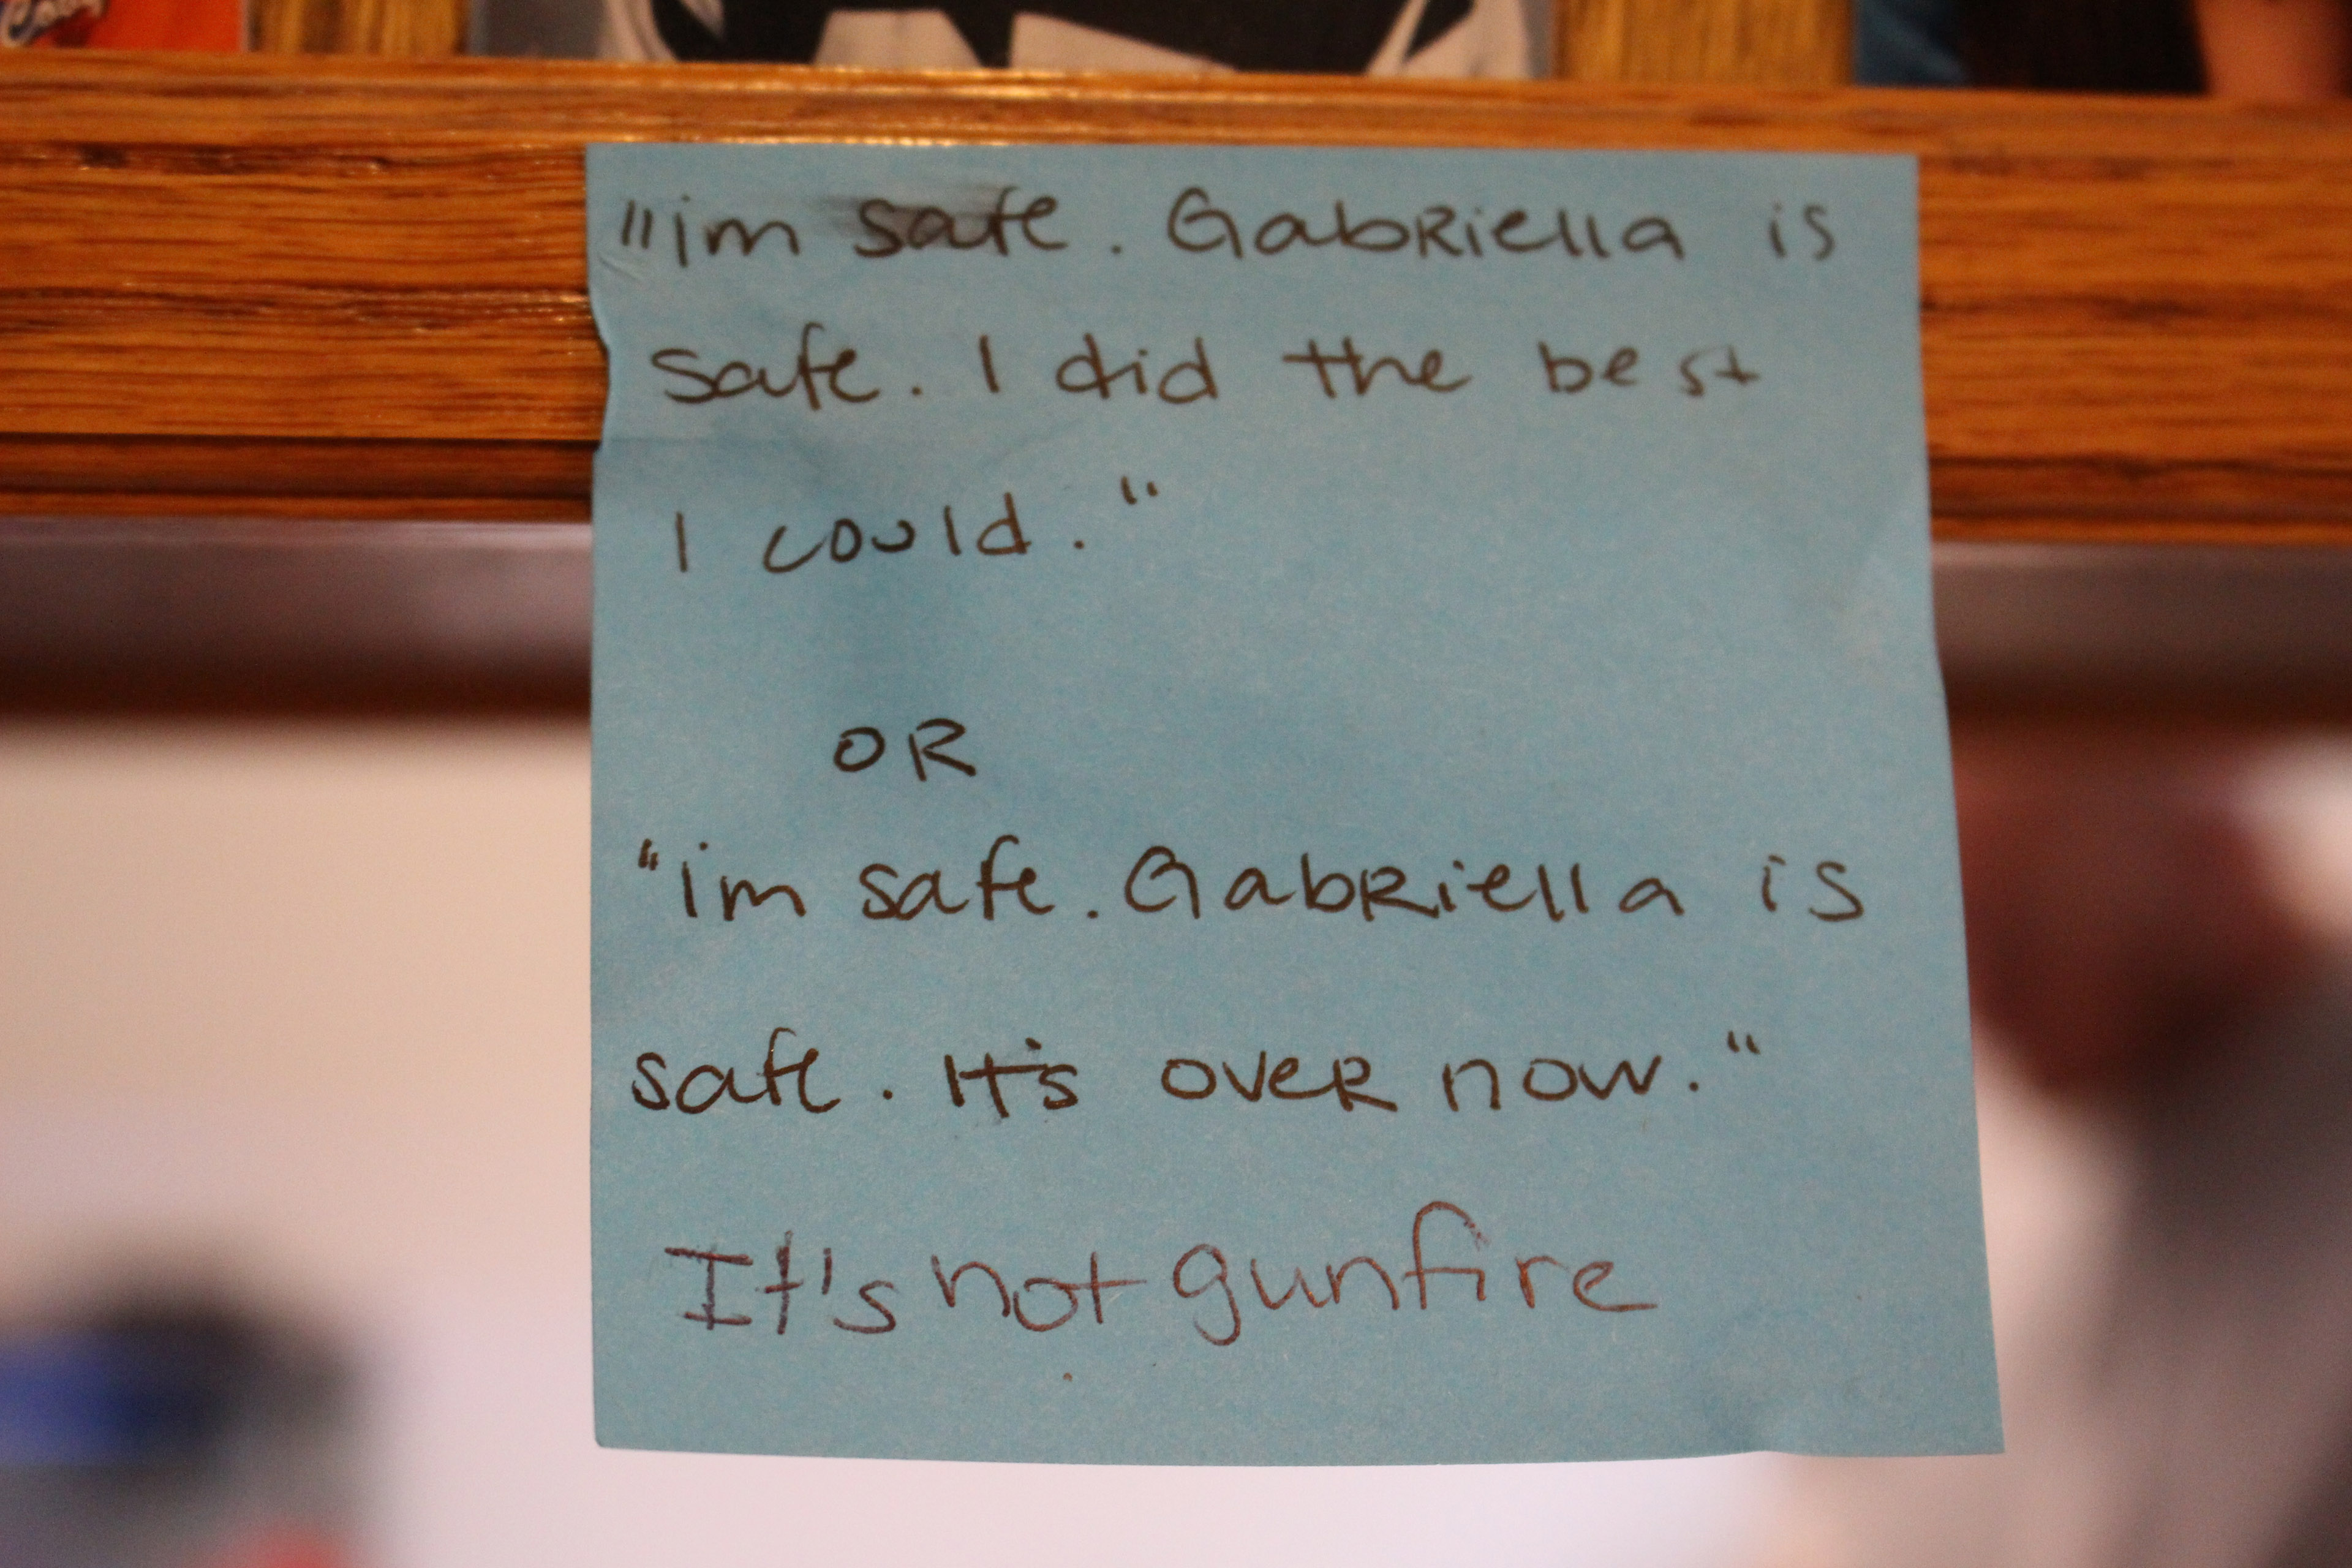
1265	806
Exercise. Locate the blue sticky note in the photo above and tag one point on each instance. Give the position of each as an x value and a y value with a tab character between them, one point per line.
1272	806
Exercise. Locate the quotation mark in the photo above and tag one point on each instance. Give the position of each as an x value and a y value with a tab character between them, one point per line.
1127	489
1732	1040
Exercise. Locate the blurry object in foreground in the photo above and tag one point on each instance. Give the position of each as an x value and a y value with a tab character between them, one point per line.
214	25
422	28
2181	1397
172	1434
1766	43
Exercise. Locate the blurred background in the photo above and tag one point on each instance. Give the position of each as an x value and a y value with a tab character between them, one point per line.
293	939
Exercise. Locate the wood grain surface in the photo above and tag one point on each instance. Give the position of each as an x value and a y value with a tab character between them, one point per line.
1772	43
357	288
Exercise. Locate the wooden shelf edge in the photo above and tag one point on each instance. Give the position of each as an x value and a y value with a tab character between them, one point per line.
2159	279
